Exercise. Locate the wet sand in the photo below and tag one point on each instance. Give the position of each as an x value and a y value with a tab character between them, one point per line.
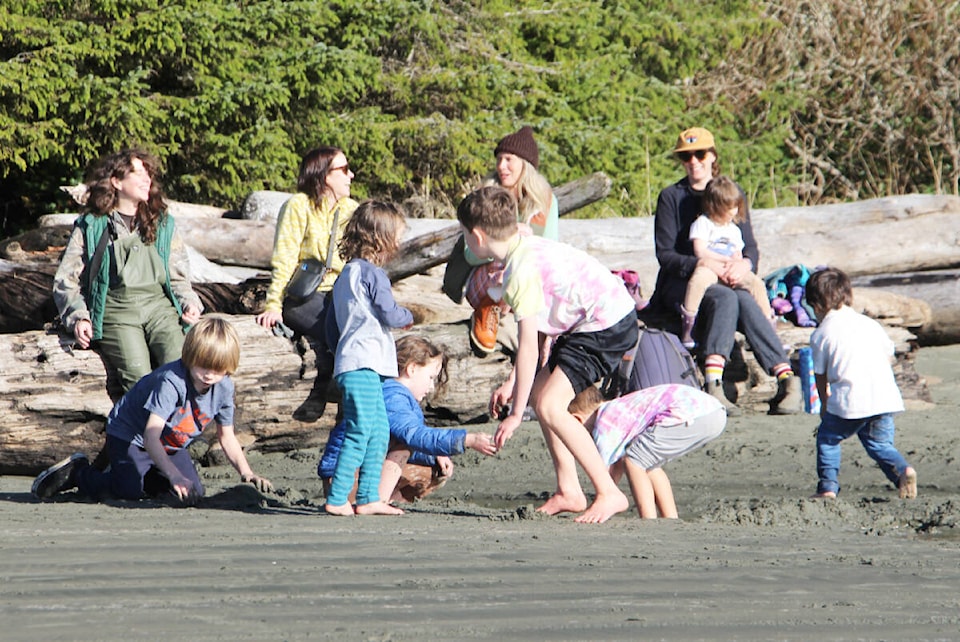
750	558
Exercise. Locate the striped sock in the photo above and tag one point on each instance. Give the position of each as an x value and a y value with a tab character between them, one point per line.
713	369
782	371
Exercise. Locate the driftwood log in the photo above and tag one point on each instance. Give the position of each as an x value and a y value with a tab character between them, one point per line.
55	399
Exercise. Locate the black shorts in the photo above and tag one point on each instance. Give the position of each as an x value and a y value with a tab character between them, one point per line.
588	357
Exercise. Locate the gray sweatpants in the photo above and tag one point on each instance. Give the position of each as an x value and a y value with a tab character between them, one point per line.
662	443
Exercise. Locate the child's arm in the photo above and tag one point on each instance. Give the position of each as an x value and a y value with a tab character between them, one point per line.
385	307
524	371
234	452
481	442
717	262
182	487
823	390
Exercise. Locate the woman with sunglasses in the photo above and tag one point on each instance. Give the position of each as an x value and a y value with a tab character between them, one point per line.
724	309
303	232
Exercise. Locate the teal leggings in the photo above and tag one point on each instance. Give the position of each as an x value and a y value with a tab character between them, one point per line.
365	438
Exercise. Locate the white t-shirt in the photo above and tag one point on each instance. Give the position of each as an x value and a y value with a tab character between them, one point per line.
854	352
722	239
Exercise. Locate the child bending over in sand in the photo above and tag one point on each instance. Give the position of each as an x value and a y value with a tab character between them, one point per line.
418	458
639	432
362	314
149	429
558	292
851	363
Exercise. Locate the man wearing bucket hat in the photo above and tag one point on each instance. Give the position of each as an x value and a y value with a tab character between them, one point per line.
724	310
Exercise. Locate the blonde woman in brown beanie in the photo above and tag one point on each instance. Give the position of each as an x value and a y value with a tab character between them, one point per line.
517	170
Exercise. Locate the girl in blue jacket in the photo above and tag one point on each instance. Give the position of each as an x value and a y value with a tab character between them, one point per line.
418	458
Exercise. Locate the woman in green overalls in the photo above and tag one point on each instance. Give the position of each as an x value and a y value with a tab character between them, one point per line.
123	284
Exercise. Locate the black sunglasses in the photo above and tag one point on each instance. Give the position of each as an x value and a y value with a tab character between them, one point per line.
686	156
343	168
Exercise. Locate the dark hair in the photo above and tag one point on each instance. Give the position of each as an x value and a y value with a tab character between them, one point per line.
413	349
492	209
212	343
372	232
314	168
102	196
829	289
720	195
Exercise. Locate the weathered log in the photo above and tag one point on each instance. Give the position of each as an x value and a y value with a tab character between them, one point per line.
55	399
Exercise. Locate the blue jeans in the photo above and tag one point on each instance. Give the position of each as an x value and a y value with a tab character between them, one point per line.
876	435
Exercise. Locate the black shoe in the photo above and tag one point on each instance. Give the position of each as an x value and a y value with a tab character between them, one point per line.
59	477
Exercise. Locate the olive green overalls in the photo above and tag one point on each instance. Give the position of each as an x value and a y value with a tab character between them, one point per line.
139	321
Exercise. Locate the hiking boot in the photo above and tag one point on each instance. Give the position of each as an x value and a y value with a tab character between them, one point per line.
484	325
59	477
687	323
715	389
789	399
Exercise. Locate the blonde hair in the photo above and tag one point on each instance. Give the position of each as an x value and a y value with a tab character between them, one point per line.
534	194
213	344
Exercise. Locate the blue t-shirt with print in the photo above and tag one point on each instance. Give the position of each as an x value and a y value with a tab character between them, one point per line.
168	393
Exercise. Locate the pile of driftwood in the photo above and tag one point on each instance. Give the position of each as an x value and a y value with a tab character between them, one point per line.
55	398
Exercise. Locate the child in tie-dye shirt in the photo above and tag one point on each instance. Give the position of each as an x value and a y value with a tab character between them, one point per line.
640	432
561	294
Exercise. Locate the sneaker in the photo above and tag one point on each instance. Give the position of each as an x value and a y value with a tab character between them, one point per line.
59	477
789	399
908	484
715	389
484	325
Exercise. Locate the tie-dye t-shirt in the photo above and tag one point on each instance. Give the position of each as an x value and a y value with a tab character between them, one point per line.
621	420
565	288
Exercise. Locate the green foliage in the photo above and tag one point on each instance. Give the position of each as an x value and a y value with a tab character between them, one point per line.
230	94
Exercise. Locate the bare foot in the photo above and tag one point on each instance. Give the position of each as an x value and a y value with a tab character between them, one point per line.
560	503
343	510
378	508
603	508
908	484
825	495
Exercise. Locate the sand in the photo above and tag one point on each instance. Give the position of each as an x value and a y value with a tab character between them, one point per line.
751	557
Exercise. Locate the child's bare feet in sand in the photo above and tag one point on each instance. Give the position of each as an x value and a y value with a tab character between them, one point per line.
378	508
908	484
560	503
343	510
603	508
824	495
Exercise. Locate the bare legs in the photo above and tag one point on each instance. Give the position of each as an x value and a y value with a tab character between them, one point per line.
570	444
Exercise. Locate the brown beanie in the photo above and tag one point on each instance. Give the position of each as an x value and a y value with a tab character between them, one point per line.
521	144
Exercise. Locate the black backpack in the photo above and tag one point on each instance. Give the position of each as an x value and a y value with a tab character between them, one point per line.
658	358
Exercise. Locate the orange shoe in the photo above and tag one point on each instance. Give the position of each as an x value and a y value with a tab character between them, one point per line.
484	325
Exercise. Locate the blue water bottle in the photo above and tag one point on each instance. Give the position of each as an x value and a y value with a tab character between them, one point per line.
811	398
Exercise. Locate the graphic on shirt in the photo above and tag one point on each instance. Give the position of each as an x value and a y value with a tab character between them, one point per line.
723	246
183	428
